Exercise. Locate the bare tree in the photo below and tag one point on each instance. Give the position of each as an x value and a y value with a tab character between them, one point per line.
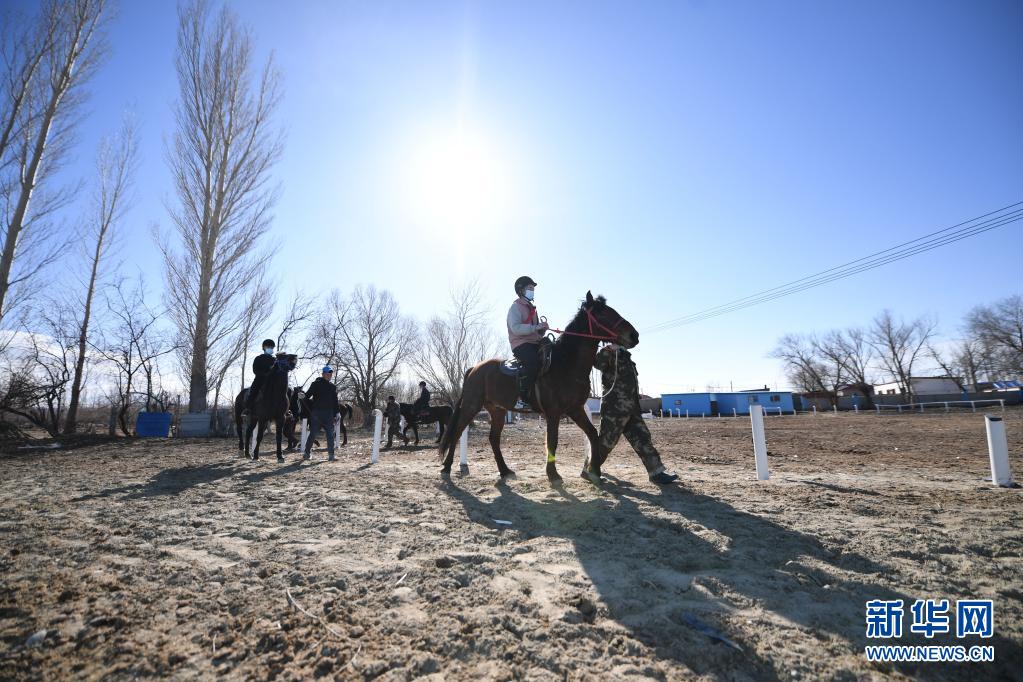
46	63
454	343
326	339
999	330
131	347
35	380
899	345
224	149
374	341
114	167
803	365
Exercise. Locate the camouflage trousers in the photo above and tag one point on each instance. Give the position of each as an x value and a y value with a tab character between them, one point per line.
636	432
394	429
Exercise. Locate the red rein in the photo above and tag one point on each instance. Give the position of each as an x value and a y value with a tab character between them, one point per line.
593	322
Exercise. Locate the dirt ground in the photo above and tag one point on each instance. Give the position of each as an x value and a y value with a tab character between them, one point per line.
181	559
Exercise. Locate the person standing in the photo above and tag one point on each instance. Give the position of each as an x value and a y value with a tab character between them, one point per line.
393	413
324	410
620	412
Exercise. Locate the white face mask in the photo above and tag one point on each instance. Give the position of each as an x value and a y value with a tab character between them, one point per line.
528	294
268	351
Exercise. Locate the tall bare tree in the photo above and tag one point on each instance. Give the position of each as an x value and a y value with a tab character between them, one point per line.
374	341
999	330
131	347
223	152
899	345
115	166
46	62
454	343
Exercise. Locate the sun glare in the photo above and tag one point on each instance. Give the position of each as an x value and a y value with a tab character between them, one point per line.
459	181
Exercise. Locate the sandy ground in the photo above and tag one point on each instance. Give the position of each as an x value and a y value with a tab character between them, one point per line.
181	559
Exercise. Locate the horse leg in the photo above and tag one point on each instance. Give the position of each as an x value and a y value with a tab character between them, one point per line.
247	428
344	431
415	430
279	428
497	415
591	467
553	420
260	428
440	432
240	429
465	413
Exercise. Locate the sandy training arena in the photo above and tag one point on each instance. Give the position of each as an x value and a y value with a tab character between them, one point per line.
179	558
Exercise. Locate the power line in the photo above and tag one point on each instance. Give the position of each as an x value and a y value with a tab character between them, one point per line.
933	240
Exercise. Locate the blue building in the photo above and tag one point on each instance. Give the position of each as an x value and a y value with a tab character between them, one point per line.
722	403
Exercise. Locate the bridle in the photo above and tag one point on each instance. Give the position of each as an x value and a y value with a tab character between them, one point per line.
592	321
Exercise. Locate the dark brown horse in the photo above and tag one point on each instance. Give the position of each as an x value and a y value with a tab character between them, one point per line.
271	403
562	391
435	414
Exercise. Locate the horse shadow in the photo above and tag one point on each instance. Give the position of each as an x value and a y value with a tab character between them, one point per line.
169	482
638	564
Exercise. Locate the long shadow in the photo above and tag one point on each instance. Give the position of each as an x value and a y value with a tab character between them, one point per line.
627	554
280	470
169	482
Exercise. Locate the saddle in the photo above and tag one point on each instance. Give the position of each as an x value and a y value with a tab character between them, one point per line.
511	367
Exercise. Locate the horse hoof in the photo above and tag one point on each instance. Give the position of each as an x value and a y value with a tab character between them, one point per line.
509	475
591	476
280	460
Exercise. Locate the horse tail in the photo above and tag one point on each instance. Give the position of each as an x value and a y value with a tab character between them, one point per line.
447	439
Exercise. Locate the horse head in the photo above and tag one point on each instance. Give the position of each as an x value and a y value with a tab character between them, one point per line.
603	320
287	361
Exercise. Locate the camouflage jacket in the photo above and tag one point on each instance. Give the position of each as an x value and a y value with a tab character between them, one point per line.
620	382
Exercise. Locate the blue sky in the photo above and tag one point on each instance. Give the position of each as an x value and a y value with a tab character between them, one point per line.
672	156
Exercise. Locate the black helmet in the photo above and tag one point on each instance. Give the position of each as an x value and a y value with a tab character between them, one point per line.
522	282
268	342
423	384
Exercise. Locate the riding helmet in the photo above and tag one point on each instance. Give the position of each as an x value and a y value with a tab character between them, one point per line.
522	282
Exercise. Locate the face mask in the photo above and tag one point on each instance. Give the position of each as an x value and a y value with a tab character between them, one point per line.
529	294
268	351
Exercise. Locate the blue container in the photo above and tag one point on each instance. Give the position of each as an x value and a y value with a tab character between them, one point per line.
153	424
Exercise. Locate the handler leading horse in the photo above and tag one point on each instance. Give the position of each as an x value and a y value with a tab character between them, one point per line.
271	403
562	391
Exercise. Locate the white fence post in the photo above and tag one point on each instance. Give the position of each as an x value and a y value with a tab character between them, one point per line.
878	408
946	406
337	432
921	408
756	414
973	405
856	409
734	413
305	432
815	409
687	414
998	449
463	449
377	430
1001	402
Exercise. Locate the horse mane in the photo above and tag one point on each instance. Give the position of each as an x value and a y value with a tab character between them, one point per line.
579	324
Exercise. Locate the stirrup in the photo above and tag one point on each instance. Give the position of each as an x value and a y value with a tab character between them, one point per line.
520	405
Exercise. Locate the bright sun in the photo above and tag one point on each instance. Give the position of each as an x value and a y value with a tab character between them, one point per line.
459	181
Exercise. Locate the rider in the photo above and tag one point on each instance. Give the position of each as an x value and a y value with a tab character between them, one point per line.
422	403
324	410
620	412
524	331
262	365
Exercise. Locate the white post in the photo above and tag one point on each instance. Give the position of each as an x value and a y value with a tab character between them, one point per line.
998	449
734	413
973	405
680	412
436	429
337	432
836	408
878	408
687	414
463	448
900	409
305	432
1001	401
756	414
856	409
921	407
946	406
377	431
815	409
